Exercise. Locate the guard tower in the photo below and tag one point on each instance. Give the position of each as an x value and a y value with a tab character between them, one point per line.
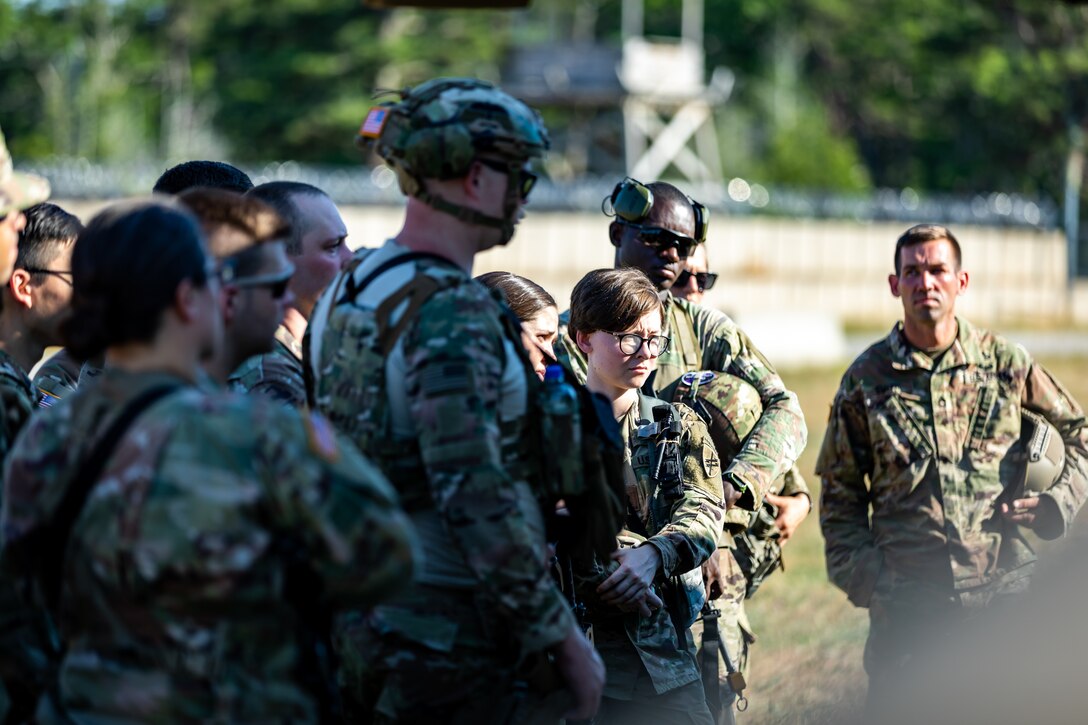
657	84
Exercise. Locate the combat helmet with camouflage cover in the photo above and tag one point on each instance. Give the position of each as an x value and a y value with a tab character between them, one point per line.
439	128
730	407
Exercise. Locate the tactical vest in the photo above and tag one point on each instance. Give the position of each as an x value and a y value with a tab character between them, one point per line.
373	411
655	457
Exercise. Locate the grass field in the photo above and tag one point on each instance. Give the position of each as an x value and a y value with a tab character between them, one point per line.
806	665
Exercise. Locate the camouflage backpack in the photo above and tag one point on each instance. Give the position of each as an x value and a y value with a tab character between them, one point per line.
730	407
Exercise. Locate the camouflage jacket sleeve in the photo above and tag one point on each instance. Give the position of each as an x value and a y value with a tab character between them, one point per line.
780	435
794	484
844	463
455	357
277	375
695	521
337	504
1046	396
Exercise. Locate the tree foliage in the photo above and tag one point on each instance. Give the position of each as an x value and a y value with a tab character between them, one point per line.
962	96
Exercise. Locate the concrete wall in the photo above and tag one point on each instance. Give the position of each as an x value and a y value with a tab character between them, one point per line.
800	267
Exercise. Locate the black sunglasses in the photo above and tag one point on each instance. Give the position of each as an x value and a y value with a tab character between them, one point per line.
659	238
276	283
527	179
705	280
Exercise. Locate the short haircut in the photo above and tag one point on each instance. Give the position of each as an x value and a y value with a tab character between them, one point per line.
664	191
234	225
48	229
126	268
921	233
525	297
280	196
612	300
216	174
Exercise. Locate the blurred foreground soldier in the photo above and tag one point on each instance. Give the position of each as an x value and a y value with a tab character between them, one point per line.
422	366
17	192
317	246
924	434
171	535
211	174
245	236
733	577
642	602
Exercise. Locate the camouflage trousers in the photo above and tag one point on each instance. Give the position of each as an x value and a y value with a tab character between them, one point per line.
423	676
733	628
684	705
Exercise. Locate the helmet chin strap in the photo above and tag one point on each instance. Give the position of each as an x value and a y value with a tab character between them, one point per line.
472	216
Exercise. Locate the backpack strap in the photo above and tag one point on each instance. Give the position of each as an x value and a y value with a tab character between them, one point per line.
52	538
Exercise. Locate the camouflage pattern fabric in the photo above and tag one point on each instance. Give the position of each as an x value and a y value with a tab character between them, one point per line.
174	602
703	338
57	378
926	445
443	412
17	399
931	441
685	530
276	374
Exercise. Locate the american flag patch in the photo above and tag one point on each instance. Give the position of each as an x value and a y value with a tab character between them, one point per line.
47	400
374	122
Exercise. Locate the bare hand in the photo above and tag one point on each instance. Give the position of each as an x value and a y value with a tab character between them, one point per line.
1038	513
583	671
732	495
644	605
629	583
713	576
792	510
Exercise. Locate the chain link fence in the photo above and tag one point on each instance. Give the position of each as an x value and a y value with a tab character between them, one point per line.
81	179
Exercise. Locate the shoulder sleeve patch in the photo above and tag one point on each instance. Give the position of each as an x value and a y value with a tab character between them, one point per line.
711	463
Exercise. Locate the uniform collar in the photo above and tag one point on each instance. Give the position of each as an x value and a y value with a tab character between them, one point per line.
285	338
965	350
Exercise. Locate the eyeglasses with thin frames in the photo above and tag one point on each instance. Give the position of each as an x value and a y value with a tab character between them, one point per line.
630	343
58	273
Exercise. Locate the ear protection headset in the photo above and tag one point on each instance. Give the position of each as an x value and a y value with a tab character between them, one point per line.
631	201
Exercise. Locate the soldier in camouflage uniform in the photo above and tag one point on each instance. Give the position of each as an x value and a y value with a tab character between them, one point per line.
317	246
17	192
922	434
246	238
676	508
178	557
786	505
656	227
423	368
